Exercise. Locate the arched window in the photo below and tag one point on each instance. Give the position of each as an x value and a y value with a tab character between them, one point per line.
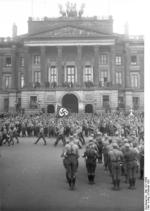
89	108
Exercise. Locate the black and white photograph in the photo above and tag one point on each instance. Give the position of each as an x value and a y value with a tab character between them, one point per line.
72	105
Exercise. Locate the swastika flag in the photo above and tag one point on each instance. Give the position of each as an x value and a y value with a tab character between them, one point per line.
62	112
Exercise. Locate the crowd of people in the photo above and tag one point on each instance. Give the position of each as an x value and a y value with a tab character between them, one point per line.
114	139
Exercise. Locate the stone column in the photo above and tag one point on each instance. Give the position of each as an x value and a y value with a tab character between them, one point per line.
127	67
96	66
79	66
14	69
112	64
59	66
1	68
27	78
43	66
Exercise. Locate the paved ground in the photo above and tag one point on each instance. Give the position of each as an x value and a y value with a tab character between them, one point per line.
32	177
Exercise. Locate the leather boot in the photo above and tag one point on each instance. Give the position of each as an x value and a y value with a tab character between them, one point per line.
89	178
114	182
118	184
130	183
133	182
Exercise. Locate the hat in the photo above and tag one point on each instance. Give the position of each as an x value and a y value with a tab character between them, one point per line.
115	145
127	145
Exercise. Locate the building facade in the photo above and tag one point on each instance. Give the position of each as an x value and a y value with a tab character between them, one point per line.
75	62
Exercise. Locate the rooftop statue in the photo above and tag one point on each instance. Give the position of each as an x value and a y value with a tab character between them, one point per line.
71	10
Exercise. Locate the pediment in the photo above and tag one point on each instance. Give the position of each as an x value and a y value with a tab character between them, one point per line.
69	32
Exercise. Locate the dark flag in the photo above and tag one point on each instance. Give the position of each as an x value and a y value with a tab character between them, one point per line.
62	112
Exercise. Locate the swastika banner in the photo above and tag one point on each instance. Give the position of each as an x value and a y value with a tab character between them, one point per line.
62	112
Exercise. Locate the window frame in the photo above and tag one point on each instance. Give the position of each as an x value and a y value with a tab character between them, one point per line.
133	63
118	60
21	61
52	77
70	73
103	77
103	59
9	77
6	57
134	83
106	100
38	76
36	59
88	73
118	78
22	82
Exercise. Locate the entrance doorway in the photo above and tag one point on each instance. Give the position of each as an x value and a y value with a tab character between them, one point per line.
89	108
50	108
70	101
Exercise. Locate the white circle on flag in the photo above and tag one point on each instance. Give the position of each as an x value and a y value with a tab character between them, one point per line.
63	112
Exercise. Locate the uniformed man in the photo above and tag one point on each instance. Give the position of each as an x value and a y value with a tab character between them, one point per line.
141	162
41	135
130	158
60	136
116	157
70	154
91	155
15	134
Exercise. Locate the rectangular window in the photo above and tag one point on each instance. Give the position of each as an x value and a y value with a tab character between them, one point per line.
135	103
22	80
105	101
120	102
6	104
21	61
118	60
103	59
103	77
71	74
134	60
33	102
7	81
118	78
37	76
52	74
8	61
36	59
134	80
88	73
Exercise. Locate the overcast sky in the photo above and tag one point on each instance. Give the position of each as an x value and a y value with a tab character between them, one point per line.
18	11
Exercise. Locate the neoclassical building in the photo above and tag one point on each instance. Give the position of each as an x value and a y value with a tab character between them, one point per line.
77	62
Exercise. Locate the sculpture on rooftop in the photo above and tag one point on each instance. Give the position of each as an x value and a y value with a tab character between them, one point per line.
71	10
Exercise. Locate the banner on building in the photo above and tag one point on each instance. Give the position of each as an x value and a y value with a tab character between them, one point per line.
62	112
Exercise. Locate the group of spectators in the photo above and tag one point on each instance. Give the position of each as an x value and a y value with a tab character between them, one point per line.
125	130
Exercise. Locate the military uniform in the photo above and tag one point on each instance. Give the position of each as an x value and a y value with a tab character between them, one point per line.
115	157
41	135
130	158
70	161
91	155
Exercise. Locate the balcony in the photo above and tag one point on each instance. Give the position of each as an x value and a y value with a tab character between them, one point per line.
89	85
